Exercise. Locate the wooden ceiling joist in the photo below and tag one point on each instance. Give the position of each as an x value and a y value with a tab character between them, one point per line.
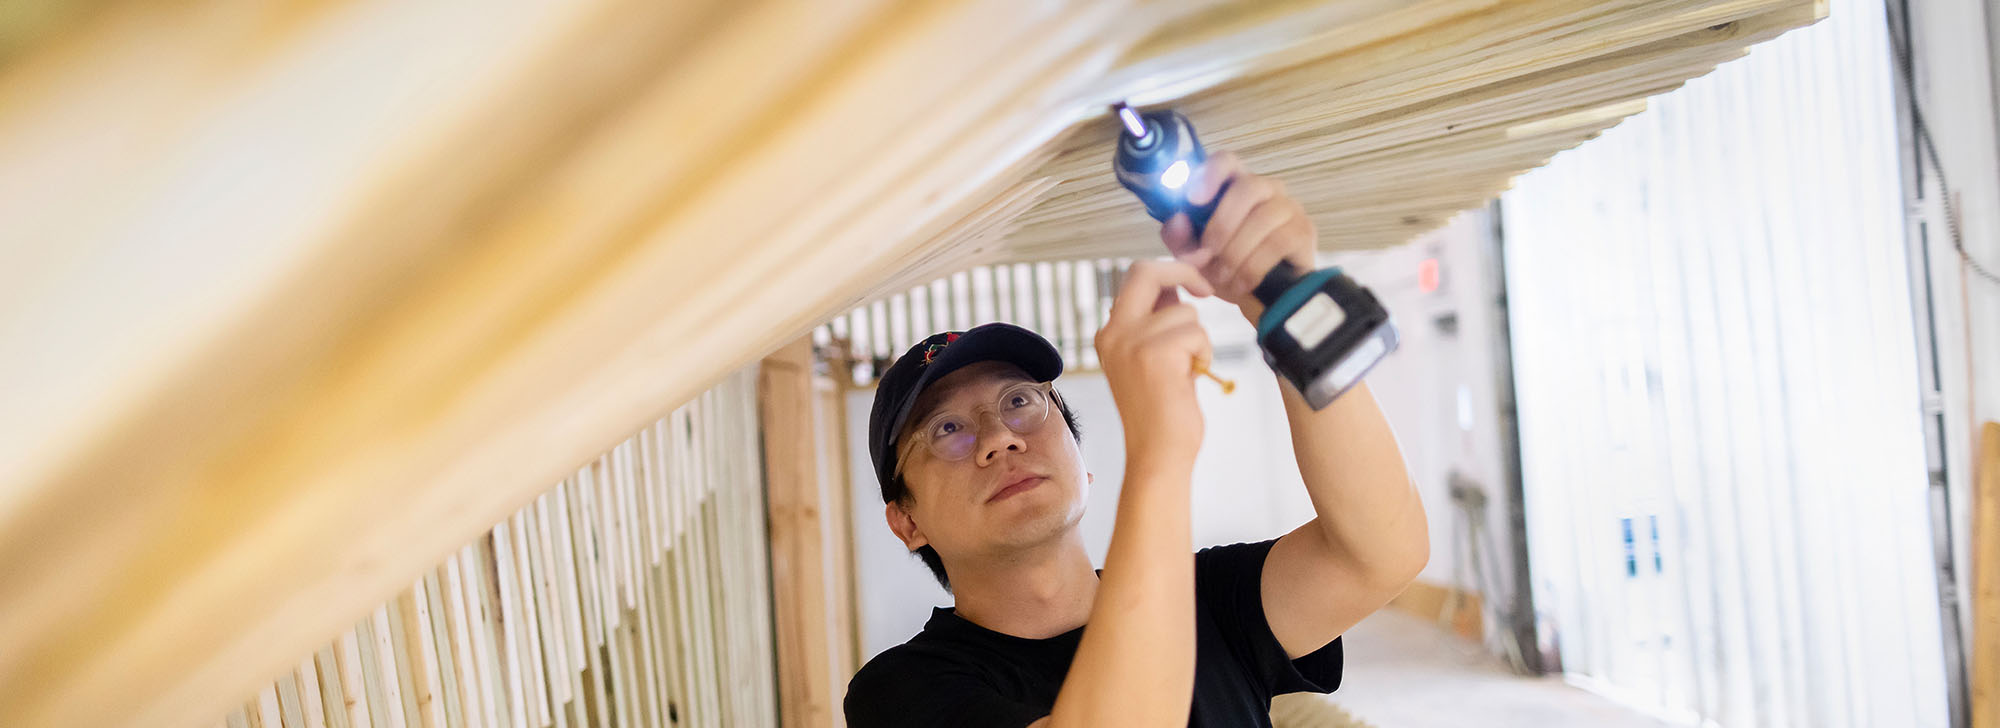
297	298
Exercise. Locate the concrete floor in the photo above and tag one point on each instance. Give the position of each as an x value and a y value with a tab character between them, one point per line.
1404	672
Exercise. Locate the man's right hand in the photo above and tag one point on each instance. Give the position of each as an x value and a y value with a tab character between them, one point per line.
1148	349
1135	665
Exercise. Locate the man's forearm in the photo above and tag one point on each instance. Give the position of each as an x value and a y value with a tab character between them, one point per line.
1354	473
1135	665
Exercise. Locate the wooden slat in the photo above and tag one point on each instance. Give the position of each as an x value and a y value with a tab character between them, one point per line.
584	551
675	645
701	604
844	619
628	668
443	648
354	679
333	693
377	680
471	682
565	570
566	573
419	656
678	559
497	564
311	699
642	462
628	525
395	653
481	609
547	606
290	707
748	485
531	637
268	712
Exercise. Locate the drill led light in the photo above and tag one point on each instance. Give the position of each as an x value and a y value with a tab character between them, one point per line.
1175	176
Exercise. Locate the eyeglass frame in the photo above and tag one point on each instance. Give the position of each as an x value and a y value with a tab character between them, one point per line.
1050	401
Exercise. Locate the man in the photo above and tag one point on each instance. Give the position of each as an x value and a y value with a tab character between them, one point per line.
982	484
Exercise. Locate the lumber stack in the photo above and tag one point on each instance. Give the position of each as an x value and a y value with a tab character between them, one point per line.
1385	138
296	299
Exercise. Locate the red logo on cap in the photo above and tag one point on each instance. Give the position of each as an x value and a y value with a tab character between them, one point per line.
931	353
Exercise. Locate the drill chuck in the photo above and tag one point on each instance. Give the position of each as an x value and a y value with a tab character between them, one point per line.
1157	164
1321	330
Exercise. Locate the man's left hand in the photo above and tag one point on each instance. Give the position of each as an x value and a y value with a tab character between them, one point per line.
1256	225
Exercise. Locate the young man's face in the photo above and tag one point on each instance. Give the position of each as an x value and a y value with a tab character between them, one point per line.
957	506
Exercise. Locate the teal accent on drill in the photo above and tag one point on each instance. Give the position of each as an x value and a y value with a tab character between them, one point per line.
1292	299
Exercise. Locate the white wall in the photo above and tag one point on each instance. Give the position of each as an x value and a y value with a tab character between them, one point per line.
1721	430
1954	57
1440	392
1247	485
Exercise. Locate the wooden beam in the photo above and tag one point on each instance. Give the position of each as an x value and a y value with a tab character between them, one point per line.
809	535
1445	604
844	616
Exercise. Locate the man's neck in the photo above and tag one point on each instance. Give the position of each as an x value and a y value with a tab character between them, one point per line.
1034	594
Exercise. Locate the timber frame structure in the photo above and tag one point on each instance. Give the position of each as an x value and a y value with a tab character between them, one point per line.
298	299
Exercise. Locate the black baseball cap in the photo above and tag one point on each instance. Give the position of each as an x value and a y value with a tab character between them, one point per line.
930	360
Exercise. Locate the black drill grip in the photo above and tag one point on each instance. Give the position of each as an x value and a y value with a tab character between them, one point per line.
1279	278
1198	216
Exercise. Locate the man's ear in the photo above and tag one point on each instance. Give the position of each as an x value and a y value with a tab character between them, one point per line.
1090	478
904	526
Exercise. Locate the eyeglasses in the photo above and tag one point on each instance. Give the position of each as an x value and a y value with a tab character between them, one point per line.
953	436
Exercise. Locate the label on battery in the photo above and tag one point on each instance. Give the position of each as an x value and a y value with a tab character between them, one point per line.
1315	321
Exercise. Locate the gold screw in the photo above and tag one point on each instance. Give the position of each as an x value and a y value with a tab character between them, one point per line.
1200	367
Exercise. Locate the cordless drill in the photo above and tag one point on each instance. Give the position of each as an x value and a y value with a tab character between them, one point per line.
1320	330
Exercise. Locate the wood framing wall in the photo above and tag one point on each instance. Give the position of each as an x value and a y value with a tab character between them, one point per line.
811	575
297	298
633	593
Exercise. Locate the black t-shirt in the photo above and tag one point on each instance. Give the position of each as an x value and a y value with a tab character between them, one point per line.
956	673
